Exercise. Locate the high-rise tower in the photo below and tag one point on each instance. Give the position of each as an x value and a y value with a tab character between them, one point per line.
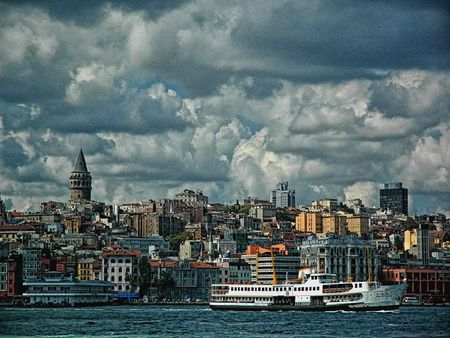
394	198
80	180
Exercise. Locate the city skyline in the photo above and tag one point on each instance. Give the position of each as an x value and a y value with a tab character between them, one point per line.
230	98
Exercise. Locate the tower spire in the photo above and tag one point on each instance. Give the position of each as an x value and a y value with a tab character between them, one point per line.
80	164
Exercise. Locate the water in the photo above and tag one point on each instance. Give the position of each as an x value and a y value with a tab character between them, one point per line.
199	321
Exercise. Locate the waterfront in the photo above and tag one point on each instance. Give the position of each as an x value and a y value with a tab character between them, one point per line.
200	321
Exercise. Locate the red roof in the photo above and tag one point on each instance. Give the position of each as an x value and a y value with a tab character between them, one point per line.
202	265
164	263
17	227
116	250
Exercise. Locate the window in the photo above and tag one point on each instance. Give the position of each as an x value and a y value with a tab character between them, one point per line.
120	261
113	260
128	261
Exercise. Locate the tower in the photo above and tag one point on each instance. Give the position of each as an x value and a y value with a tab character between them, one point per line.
394	198
80	180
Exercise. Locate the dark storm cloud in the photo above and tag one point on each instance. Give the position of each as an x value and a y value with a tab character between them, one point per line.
353	36
89	13
227	96
12	154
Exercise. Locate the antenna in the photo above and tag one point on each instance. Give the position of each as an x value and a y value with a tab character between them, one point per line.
81	142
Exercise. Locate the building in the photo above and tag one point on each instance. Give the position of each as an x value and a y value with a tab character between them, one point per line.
309	221
325	204
53	289
431	285
394	198
2	213
31	264
358	224
334	224
409	239
143	244
282	197
191	280
120	267
263	211
347	257
425	244
80	180
192	198
191	249
85	269
235	270
72	224
3	278
154	224
264	261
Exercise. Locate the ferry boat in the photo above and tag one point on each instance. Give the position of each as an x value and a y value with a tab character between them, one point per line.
312	291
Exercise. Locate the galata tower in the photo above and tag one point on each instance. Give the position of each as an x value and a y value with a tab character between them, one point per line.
80	180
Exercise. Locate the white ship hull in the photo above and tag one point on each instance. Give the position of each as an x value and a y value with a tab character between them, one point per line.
316	294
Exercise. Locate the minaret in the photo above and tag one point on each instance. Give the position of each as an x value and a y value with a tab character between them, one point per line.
80	180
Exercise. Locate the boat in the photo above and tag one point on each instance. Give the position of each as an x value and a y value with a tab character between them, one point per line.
311	292
412	300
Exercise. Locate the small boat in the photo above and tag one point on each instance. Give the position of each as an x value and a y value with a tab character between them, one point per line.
312	292
412	300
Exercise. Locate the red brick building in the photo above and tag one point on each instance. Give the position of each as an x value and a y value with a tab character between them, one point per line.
432	285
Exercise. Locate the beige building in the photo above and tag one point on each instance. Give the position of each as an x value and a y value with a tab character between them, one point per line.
309	222
333	223
410	239
358	224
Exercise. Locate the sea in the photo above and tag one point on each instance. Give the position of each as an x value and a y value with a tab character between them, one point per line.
200	321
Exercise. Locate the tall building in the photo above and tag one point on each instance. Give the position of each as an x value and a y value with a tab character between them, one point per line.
282	197
394	198
425	243
80	180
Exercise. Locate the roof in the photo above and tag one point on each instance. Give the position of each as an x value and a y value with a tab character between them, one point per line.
202	265
119	251
80	165
164	263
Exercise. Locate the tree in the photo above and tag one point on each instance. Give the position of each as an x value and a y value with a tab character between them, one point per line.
145	276
177	239
164	283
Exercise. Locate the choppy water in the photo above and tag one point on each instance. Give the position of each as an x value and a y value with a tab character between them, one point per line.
198	321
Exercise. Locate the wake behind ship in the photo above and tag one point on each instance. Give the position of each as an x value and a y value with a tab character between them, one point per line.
313	292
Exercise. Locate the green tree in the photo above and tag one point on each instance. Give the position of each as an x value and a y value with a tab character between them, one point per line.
164	283
145	278
177	239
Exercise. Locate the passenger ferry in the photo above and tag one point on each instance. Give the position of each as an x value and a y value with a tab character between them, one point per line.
312	291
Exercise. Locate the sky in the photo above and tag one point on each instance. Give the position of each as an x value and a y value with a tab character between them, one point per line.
227	97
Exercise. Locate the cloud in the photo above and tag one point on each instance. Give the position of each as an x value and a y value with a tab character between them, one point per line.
226	97
366	191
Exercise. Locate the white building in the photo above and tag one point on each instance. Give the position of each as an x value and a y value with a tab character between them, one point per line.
55	290
120	267
282	197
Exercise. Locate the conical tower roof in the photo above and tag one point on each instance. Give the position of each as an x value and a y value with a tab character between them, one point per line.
80	165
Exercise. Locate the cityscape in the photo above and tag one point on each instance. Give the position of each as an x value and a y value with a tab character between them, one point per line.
172	250
212	168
